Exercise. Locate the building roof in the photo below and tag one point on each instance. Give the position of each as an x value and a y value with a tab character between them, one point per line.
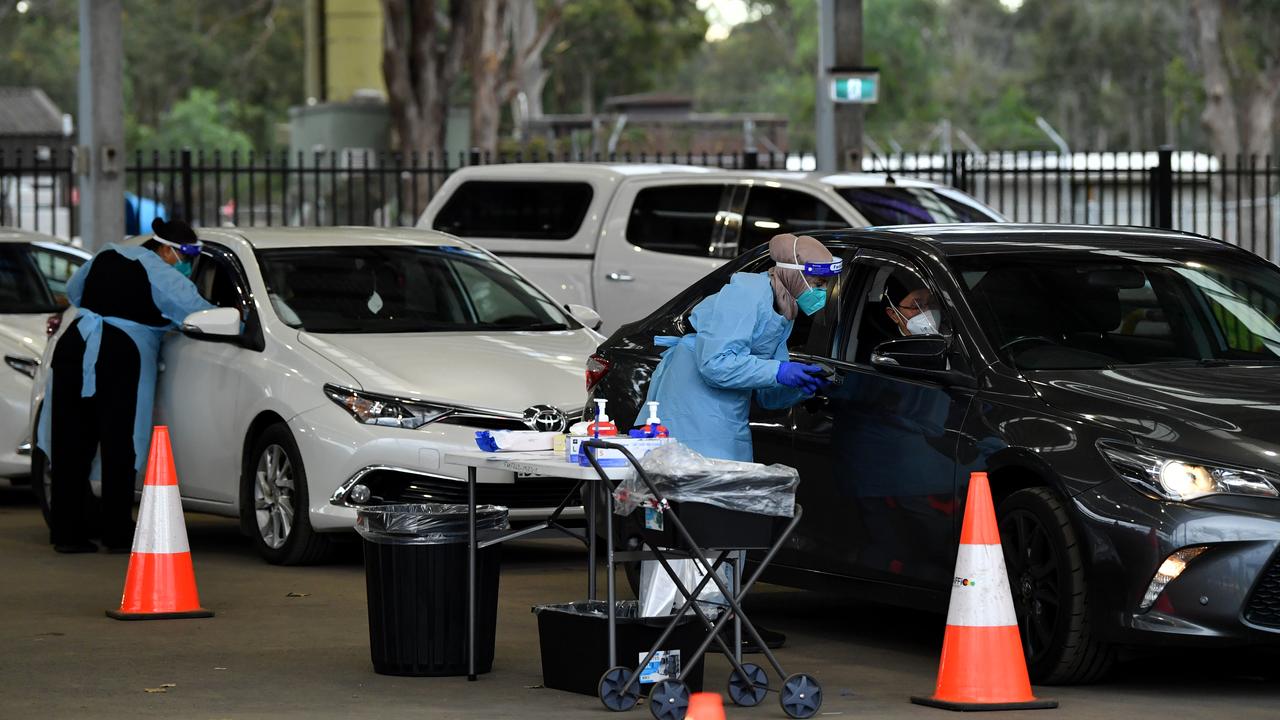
27	111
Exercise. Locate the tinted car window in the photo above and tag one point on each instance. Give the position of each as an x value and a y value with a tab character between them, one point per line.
896	294
57	268
678	219
22	288
520	210
909	206
401	289
778	210
1087	310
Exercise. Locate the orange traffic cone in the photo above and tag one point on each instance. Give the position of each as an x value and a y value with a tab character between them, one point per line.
983	667
705	706
161	583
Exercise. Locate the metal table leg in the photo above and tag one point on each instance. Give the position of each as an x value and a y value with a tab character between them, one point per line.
592	492
471	574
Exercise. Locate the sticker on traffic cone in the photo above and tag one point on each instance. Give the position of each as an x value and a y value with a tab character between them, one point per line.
705	706
161	583
983	666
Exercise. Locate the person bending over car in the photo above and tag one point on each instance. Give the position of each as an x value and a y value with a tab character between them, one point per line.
103	379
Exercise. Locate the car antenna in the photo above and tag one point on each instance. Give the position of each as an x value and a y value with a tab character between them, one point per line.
884	164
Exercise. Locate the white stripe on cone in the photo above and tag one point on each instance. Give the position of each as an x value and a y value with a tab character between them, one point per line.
161	528
980	590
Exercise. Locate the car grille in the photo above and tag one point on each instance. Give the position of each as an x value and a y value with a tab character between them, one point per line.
395	486
1264	604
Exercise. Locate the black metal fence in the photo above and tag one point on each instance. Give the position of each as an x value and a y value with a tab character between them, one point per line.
1236	199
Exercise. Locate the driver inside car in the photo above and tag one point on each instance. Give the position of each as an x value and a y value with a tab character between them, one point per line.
915	312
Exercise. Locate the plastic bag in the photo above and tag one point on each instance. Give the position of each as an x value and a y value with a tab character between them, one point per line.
425	523
683	475
659	595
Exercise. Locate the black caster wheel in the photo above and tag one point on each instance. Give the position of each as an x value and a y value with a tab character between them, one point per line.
801	696
748	691
611	689
669	700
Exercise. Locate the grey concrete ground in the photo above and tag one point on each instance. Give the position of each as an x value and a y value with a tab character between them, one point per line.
292	642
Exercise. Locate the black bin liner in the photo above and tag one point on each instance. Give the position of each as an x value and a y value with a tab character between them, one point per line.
415	559
574	640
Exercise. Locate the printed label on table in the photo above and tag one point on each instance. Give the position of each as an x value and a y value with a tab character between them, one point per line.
665	665
653	519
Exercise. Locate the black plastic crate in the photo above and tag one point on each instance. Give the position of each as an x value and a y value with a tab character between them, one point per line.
574	641
710	526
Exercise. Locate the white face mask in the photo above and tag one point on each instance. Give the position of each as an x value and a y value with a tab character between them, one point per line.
925	323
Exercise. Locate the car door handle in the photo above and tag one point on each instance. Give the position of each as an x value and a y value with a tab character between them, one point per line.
619	277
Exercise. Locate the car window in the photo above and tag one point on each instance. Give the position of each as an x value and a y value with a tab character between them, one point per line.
390	289
216	281
1051	310
23	288
527	210
676	219
771	211
894	300
57	268
910	206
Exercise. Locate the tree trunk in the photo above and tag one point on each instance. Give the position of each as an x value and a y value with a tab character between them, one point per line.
1219	116
489	45
421	59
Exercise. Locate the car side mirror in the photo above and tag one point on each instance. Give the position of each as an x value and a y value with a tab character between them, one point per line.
917	356
585	315
220	323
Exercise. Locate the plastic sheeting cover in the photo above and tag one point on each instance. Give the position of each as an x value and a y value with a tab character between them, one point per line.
681	474
425	523
625	610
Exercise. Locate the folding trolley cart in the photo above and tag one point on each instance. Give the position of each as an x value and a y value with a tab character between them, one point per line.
712	537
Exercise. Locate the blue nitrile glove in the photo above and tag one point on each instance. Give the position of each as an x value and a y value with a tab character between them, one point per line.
800	376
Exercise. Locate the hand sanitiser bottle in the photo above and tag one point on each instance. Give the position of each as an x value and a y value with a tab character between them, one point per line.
603	426
653	427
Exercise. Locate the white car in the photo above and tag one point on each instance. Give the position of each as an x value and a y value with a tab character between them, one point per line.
363	356
34	270
624	239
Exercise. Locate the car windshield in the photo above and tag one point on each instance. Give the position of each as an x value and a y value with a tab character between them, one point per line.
912	205
22	288
393	289
1102	309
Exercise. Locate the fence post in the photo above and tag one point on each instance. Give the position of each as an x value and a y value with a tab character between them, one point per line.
750	160
1162	189
959	171
475	156
185	167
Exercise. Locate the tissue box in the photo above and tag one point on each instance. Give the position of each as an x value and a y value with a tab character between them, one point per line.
609	457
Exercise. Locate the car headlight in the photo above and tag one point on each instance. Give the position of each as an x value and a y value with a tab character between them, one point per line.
373	409
26	366
1183	479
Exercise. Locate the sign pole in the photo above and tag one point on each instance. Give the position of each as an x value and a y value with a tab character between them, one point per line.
839	124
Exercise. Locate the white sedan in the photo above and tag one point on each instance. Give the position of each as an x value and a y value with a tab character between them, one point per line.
34	270
358	355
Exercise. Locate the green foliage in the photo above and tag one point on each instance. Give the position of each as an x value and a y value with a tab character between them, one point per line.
249	50
198	121
615	47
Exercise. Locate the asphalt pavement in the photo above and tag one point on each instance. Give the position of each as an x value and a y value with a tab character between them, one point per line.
293	642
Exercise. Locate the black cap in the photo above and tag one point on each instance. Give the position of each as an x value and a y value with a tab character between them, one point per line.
175	231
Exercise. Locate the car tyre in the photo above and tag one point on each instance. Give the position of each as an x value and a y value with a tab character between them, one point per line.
1044	559
274	502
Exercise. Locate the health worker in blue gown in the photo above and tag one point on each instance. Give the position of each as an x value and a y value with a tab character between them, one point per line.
707	379
103	379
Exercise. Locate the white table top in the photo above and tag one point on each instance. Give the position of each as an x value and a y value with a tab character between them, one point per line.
544	463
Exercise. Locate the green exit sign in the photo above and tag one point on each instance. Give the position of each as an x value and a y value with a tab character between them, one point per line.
856	87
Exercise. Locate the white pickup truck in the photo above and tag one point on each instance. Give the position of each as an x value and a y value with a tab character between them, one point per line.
624	239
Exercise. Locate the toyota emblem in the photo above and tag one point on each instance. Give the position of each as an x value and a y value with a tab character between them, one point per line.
545	418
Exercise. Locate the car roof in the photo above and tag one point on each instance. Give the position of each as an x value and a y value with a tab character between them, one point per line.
18	235
978	238
272	238
581	171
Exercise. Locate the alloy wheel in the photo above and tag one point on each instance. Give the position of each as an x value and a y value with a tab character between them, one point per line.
273	493
1033	567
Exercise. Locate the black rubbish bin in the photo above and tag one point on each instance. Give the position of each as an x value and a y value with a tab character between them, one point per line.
574	642
415	563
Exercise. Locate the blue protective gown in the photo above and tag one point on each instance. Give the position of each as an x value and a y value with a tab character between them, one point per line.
706	380
174	296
